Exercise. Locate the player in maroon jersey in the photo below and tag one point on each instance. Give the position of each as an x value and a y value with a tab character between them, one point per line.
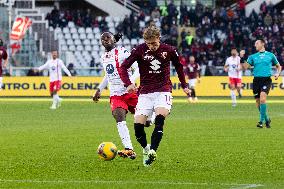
192	71
153	60
4	56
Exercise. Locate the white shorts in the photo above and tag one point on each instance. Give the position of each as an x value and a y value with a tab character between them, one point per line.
192	82
147	103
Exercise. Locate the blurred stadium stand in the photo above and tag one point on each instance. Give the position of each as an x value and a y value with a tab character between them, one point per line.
207	29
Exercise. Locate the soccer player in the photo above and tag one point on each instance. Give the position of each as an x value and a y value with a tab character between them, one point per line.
192	71
153	60
55	66
121	101
262	62
234	69
4	56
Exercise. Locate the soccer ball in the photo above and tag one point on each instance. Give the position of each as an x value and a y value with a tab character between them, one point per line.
107	151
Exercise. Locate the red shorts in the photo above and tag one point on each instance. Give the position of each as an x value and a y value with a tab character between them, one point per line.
235	81
54	86
127	101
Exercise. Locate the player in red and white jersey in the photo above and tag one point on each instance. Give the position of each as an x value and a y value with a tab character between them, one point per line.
120	100
234	68
192	71
55	67
153	60
4	56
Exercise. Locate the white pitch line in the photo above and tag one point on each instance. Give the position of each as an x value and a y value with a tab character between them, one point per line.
239	186
247	186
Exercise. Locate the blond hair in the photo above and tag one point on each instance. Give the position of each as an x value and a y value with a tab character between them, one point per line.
151	32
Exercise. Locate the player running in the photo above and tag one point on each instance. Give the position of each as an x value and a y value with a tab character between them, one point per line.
192	71
55	66
234	69
121	101
262	62
4	56
153	60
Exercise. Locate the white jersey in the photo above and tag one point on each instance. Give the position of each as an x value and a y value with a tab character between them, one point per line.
234	64
111	61
55	67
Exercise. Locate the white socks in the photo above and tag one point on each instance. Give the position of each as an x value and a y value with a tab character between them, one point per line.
124	134
233	96
55	98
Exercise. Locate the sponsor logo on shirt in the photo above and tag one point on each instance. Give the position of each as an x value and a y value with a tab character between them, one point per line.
109	69
155	65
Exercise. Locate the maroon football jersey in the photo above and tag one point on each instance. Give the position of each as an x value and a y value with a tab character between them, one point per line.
192	70
3	55
154	68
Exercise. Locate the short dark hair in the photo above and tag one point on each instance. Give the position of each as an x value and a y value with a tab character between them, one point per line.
262	40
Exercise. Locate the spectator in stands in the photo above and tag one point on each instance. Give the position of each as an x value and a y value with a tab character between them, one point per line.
70	67
242	7
155	14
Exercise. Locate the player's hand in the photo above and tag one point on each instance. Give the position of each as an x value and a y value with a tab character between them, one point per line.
226	69
132	88
242	53
187	91
276	76
97	96
198	80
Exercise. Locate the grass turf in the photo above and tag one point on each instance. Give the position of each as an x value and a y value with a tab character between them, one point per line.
205	145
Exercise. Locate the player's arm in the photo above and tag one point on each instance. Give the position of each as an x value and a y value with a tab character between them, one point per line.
43	67
245	64
102	86
179	69
123	70
226	66
136	73
198	73
5	57
277	65
65	69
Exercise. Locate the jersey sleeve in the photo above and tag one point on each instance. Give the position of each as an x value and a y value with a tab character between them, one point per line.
250	60
65	69
179	68
227	62
43	67
274	60
123	71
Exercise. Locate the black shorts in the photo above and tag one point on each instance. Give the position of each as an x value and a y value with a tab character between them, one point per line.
261	84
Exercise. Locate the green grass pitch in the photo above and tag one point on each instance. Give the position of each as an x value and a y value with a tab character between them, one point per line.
205	145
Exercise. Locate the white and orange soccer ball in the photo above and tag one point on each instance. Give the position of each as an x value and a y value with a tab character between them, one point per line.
107	151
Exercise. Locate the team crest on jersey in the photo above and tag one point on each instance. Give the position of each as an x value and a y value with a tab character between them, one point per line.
109	69
53	68
164	55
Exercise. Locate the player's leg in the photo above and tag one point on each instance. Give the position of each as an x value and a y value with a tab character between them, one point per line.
52	91
192	88
239	87
233	95
144	109
192	94
263	105
162	105
256	92
119	115
56	96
